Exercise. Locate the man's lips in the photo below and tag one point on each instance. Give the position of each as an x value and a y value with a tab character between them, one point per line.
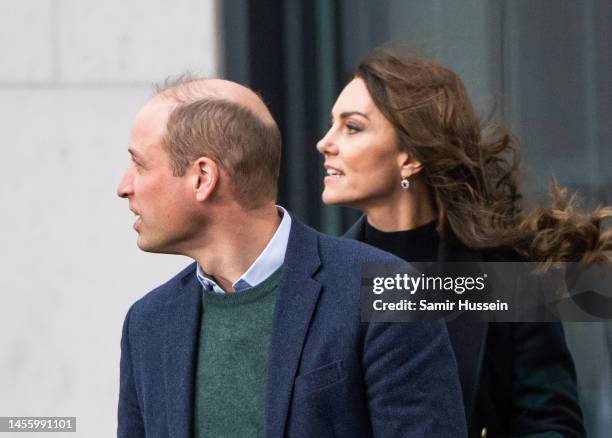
138	219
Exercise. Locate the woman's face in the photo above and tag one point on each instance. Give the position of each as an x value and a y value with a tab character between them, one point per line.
362	159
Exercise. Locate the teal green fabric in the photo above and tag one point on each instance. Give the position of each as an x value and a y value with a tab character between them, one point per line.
233	361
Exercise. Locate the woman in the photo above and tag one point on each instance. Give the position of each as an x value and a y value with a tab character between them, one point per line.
406	148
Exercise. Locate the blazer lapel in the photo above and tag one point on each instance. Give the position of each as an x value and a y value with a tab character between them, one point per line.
297	297
182	325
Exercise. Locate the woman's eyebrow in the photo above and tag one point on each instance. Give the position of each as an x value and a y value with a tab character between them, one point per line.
346	114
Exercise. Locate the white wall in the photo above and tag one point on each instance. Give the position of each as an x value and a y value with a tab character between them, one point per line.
72	76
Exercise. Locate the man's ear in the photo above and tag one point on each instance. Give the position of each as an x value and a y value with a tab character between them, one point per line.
206	177
409	166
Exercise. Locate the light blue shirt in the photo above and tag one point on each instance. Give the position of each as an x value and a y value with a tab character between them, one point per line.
270	259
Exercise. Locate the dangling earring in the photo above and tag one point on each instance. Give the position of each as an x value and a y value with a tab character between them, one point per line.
405	183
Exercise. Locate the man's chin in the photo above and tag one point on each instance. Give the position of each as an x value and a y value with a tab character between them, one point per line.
156	247
147	246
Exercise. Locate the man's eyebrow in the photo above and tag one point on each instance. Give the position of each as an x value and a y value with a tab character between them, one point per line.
346	114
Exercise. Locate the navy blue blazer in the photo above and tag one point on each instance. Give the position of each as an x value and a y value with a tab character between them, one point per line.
329	375
518	379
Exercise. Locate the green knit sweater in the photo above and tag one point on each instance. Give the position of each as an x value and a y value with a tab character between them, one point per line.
233	361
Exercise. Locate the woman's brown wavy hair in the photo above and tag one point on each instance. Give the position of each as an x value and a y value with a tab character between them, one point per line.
472	171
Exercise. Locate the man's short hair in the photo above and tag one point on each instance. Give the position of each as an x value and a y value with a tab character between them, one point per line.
238	140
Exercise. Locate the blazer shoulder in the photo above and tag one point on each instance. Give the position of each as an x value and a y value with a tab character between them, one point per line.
156	299
340	250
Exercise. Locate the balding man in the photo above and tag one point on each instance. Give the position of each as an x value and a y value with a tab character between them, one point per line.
261	335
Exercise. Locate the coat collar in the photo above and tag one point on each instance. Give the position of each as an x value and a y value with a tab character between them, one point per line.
297	296
468	339
446	252
357	230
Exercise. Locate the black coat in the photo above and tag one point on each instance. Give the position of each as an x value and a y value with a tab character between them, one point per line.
517	379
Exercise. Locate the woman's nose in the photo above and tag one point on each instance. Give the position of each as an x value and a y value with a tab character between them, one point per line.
326	145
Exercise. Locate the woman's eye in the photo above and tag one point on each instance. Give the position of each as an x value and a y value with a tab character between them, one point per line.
352	128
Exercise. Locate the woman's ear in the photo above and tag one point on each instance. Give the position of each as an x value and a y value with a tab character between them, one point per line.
409	166
205	178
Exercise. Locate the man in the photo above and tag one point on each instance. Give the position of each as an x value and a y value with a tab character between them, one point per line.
261	336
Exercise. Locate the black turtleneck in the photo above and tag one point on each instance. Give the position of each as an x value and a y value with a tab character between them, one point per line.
417	245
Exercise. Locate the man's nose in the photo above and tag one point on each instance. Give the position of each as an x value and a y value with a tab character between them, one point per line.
125	187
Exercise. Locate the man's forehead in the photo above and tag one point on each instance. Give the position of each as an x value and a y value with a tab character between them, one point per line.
149	126
153	116
156	108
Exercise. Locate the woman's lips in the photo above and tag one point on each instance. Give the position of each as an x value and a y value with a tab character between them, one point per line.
333	174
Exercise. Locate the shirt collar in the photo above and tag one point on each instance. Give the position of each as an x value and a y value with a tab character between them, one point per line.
270	259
